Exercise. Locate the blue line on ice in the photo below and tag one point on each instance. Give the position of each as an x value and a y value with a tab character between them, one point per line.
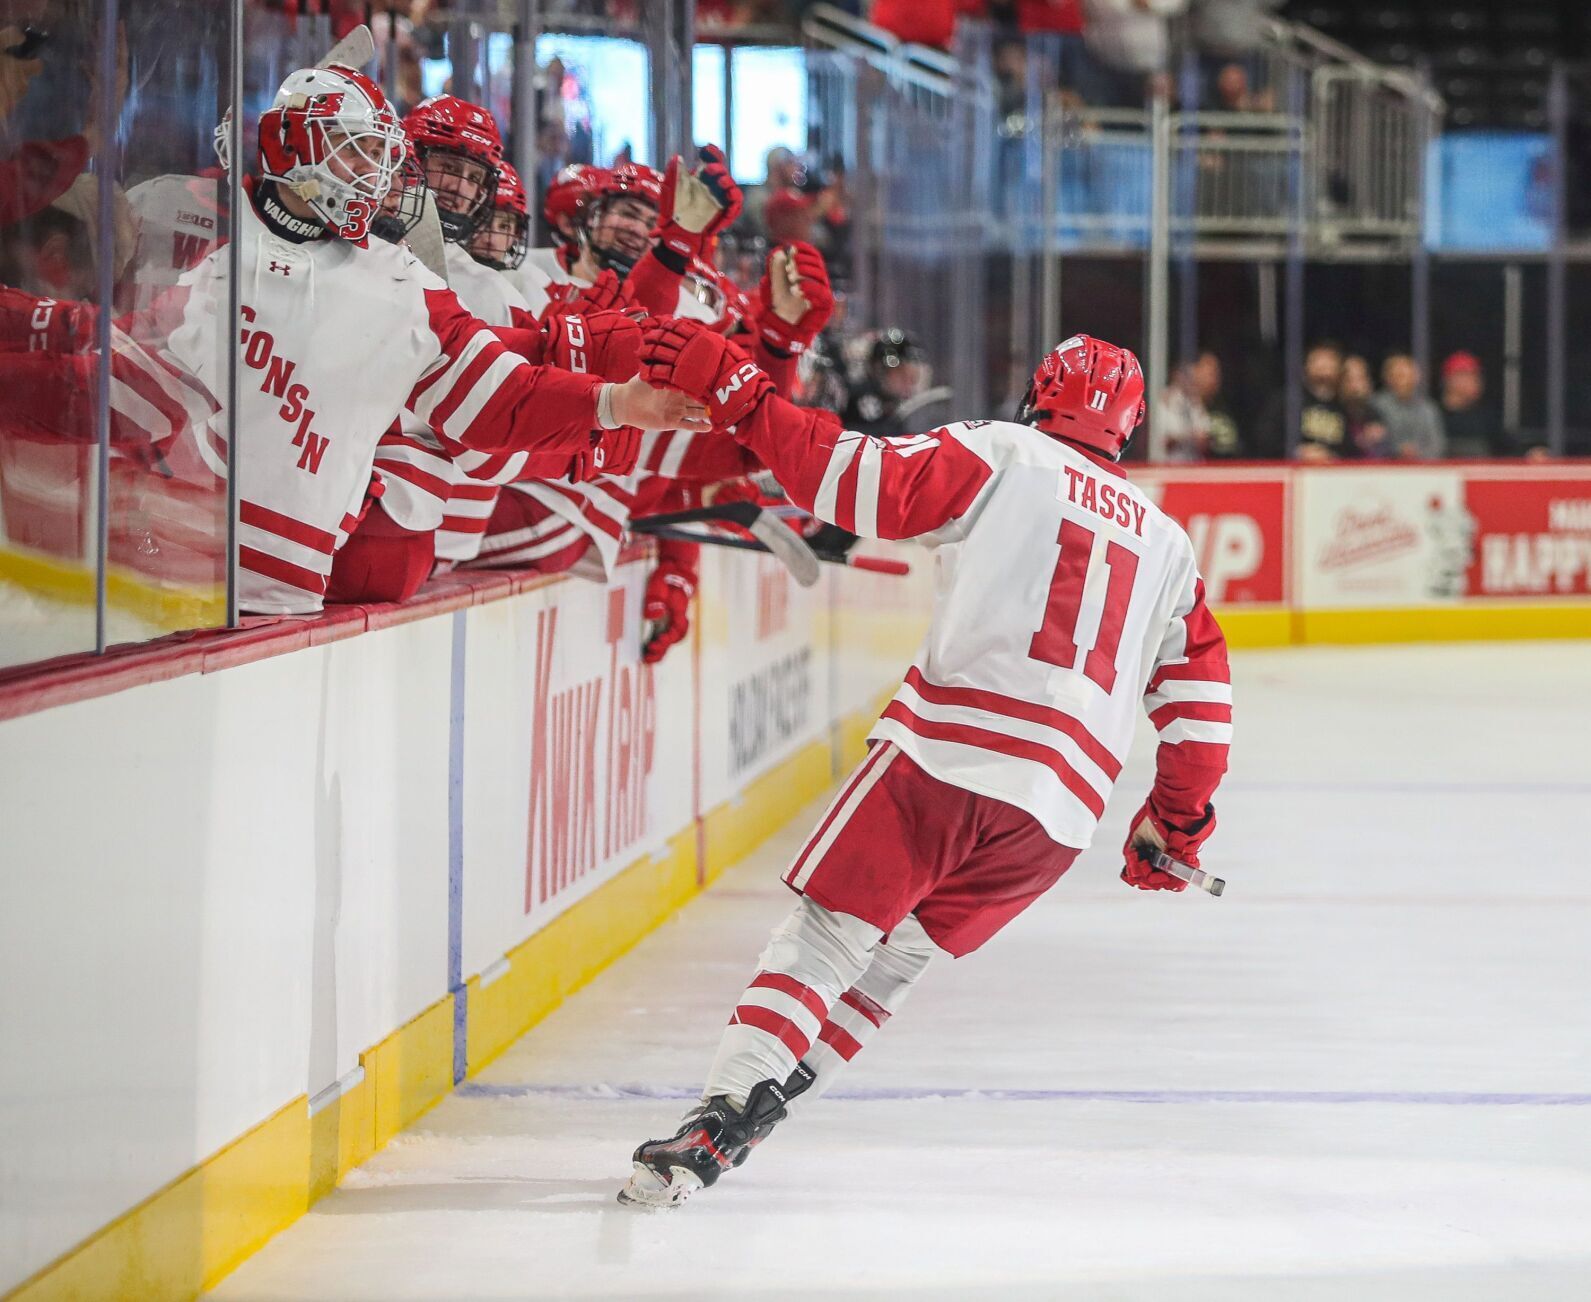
599	1093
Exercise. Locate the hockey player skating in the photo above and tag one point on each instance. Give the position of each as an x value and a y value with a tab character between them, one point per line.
1065	599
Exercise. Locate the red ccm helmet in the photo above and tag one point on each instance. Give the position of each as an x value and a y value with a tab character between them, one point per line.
560	206
333	140
616	240
503	239
462	152
1089	392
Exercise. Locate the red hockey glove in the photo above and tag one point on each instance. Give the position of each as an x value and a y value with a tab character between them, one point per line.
667	609
696	204
605	294
1151	832
614	454
687	356
795	299
607	344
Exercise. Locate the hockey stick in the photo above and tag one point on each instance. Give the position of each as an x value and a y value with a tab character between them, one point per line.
425	240
871	564
356	50
781	541
1163	862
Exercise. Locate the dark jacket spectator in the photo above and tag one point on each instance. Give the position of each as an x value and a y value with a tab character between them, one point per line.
1322	433
1473	428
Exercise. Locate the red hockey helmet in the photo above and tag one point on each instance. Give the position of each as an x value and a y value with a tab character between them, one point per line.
503	239
462	152
333	140
617	241
1087	391
560	207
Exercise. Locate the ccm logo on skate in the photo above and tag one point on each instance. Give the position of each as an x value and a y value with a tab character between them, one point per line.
259	354
745	373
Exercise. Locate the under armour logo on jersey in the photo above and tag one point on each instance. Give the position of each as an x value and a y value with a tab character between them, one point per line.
286	268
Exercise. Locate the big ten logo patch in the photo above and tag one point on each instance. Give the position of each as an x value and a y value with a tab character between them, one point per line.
592	753
276	381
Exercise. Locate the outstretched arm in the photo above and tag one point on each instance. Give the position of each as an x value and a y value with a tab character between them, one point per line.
875	487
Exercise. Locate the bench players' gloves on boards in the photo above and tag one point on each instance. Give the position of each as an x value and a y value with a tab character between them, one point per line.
795	299
667	608
1152	831
697	204
687	356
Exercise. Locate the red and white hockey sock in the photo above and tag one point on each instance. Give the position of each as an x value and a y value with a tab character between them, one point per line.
813	957
861	1011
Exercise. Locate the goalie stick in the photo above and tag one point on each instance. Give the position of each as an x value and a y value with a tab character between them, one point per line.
1193	876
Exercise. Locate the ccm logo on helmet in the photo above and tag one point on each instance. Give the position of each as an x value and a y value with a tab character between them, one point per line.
746	372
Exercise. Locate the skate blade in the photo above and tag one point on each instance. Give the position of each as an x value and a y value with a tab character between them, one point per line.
647	1190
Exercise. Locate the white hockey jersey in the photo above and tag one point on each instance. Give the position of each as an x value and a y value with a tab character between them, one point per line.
424	487
336	340
179	221
1066	600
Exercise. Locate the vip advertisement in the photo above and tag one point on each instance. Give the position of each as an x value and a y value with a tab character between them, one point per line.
1238	524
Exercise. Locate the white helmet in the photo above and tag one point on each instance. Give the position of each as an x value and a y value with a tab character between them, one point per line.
334	141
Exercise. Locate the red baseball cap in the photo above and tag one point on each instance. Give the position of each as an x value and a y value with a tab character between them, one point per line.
1462	363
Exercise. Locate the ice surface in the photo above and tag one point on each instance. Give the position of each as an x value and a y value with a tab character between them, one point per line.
1364	1073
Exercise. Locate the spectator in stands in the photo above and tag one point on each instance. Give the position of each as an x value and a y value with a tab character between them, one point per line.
1322	433
1223	441
1413	421
1184	422
1356	392
790	215
1471	426
781	173
1131	41
1234	94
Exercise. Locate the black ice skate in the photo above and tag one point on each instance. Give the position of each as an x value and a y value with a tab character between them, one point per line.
713	1138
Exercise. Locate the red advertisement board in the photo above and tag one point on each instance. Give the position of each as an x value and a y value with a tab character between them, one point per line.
1532	537
1239	528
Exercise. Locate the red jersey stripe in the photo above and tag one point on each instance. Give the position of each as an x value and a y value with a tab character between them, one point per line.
1015	708
1001	744
284	526
272	567
1211	711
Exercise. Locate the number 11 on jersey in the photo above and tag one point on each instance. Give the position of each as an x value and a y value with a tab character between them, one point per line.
1055	642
